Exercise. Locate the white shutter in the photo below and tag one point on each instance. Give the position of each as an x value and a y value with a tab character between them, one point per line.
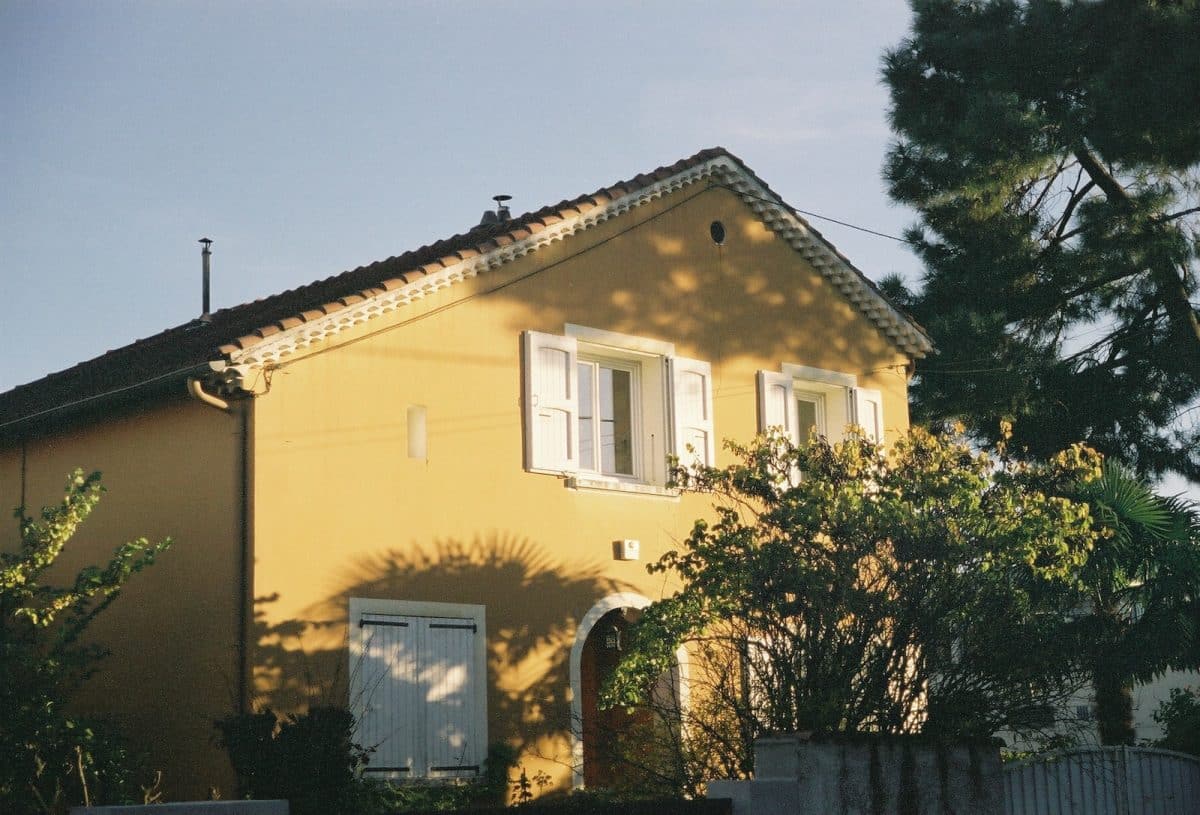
390	695
777	404
868	413
551	402
691	410
450	683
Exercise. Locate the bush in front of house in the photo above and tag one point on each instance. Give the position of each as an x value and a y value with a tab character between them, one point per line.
312	761
51	759
309	759
845	587
1179	717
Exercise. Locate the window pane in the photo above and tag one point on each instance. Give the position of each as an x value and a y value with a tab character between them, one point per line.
587	419
806	412
616	421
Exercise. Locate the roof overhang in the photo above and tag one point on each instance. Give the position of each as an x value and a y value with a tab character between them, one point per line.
723	171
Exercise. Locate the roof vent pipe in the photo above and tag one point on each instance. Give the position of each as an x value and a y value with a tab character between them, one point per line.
205	254
501	214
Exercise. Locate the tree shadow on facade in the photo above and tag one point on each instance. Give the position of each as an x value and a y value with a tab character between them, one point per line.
669	280
533	607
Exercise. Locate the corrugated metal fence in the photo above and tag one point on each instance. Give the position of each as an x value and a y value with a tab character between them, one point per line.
1104	781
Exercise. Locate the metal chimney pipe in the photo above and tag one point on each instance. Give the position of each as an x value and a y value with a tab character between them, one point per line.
205	254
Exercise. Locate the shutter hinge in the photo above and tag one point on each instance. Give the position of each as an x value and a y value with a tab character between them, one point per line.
363	621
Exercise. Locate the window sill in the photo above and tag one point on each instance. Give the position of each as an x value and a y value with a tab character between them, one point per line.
586	483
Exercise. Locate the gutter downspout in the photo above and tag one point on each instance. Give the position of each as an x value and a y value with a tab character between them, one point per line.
196	389
246	587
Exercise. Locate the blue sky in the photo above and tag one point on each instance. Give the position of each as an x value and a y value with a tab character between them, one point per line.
306	138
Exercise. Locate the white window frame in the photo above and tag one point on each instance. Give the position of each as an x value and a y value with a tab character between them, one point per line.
818	399
840	398
634	368
402	612
658	428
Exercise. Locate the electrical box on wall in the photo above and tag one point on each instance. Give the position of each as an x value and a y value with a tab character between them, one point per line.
626	549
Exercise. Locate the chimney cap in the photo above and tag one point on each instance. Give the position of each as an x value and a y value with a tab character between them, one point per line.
206	241
501	213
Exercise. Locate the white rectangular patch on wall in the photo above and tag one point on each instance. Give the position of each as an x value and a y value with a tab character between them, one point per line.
626	549
417	445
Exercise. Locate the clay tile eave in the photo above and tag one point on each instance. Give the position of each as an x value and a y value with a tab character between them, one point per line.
249	340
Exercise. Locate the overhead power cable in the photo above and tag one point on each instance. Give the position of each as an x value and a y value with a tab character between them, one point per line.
810	214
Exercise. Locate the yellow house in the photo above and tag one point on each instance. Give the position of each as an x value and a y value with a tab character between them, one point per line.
427	487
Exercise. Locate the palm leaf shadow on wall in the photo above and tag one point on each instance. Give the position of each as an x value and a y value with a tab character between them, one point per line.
533	607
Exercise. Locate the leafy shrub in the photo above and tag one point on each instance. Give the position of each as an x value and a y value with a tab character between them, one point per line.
309	759
922	588
50	759
1179	717
312	761
489	791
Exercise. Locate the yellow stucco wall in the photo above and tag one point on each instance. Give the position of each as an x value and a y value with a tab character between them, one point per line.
341	510
171	471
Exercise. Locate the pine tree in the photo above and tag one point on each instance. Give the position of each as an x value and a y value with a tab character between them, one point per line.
1052	150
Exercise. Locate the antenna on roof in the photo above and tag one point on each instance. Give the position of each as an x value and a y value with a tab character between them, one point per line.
205	254
501	214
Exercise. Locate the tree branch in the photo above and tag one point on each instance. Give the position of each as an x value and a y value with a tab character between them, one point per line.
1185	323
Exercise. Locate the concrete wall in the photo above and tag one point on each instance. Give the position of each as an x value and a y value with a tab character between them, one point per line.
900	776
191	808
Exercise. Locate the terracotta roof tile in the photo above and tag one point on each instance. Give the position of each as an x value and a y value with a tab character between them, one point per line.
187	349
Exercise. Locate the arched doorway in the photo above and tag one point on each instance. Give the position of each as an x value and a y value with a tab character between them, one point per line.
592	751
603	730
